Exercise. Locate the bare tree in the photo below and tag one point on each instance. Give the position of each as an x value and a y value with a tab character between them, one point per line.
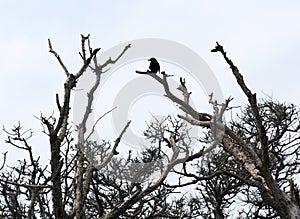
265	143
68	179
74	186
252	159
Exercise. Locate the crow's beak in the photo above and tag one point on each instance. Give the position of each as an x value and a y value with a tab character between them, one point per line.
149	59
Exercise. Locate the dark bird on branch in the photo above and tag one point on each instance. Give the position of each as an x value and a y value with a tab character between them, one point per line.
154	66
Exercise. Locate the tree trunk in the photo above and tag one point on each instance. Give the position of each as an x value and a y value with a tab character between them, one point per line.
292	211
59	212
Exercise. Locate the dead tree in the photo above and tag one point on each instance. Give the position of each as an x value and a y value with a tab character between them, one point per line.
259	151
256	161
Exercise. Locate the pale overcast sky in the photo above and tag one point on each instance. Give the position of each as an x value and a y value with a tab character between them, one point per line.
261	37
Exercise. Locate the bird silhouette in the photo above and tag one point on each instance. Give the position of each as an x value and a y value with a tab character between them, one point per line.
154	66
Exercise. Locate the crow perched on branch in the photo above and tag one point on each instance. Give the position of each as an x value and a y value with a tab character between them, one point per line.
154	66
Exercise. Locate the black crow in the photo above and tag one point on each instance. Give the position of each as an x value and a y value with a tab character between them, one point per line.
154	66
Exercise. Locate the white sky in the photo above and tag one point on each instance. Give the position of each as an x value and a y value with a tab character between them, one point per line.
262	38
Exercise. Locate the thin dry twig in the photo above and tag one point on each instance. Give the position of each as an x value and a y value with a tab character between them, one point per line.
51	50
25	185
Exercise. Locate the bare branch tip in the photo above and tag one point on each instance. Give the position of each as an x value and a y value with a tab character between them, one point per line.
97	50
218	48
49	43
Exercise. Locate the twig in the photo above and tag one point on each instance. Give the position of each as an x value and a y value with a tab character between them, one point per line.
4	160
117	141
93	129
58	103
25	185
83	39
110	61
58	58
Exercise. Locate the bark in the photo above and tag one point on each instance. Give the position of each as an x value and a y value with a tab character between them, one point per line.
258	166
58	133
